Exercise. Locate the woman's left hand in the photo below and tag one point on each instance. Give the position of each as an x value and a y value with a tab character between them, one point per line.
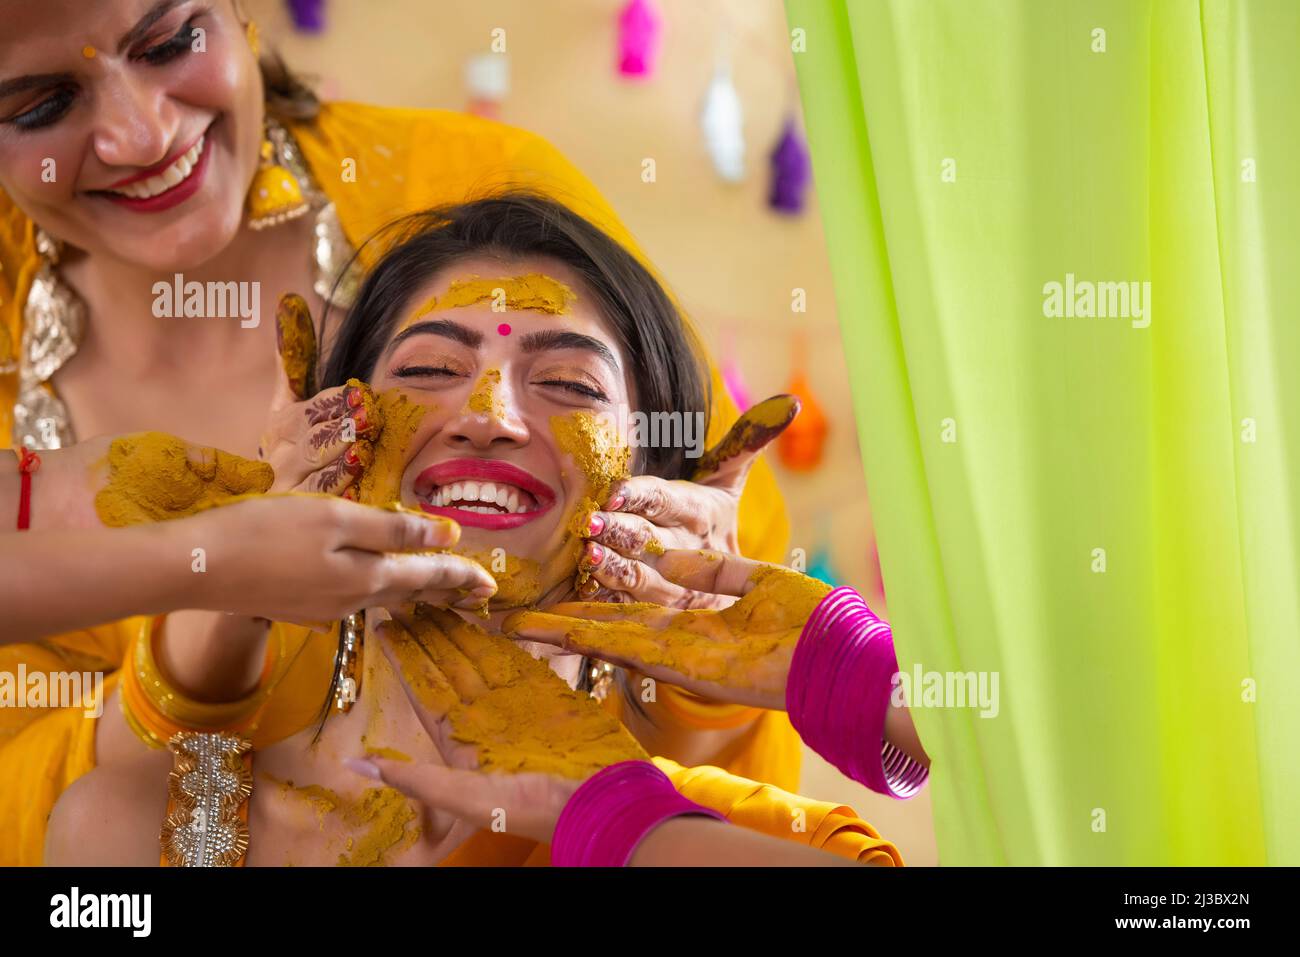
516	739
739	655
646	516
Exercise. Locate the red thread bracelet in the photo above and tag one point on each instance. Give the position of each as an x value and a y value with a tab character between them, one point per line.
28	462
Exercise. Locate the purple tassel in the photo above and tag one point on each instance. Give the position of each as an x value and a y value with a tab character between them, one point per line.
308	15
791	171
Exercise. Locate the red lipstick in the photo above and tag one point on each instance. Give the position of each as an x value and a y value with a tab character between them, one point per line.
490	470
172	197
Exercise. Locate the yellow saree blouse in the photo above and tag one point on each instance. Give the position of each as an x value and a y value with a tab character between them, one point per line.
405	160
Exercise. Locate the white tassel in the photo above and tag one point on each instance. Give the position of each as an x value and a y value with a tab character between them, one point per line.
723	123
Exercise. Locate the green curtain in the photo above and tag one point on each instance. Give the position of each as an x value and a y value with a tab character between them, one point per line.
1105	512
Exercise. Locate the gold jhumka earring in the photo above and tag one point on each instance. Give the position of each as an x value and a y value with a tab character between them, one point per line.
275	196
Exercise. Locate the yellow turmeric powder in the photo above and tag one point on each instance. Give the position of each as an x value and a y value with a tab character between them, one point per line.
534	292
383	815
517	713
483	399
748	645
603	458
153	477
381	484
392	754
519	580
756	427
390	827
295	335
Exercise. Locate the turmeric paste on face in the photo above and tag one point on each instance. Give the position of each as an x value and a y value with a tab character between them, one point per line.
519	580
534	292
381	484
154	477
483	399
603	458
515	712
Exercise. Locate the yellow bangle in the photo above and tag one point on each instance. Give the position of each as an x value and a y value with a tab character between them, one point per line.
155	710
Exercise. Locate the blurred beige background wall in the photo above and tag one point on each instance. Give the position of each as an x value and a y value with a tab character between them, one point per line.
732	262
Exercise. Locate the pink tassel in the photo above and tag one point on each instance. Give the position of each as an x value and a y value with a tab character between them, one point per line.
638	39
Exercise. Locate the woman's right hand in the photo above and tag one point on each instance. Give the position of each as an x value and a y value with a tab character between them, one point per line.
315	441
311	558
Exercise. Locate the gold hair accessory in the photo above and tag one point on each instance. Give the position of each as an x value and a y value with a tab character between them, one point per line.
275	196
207	809
349	662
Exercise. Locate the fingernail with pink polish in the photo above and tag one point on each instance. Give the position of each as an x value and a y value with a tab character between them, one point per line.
367	769
596	525
595	555
616	503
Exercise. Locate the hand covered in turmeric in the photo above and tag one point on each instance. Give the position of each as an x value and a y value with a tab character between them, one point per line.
315	441
740	654
491	707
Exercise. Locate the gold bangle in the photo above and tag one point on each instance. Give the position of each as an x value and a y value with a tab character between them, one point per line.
155	710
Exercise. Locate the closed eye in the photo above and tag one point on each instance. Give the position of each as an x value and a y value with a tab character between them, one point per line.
576	387
416	372
48	111
180	43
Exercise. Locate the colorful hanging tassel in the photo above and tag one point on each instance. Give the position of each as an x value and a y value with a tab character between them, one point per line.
822	568
732	378
801	445
723	123
308	15
638	39
487	79
791	171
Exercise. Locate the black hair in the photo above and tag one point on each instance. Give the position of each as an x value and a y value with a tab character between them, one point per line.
666	363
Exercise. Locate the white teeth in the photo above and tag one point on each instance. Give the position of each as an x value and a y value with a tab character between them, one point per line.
497	497
169	178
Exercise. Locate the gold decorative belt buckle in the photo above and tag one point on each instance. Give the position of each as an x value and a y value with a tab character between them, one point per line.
207	800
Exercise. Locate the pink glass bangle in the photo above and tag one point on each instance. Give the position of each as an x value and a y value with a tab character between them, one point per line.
837	695
613	811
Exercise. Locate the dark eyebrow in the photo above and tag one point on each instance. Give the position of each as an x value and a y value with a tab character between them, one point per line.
556	339
438	327
138	32
36	81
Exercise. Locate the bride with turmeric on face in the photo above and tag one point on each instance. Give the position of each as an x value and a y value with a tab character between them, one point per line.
495	341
